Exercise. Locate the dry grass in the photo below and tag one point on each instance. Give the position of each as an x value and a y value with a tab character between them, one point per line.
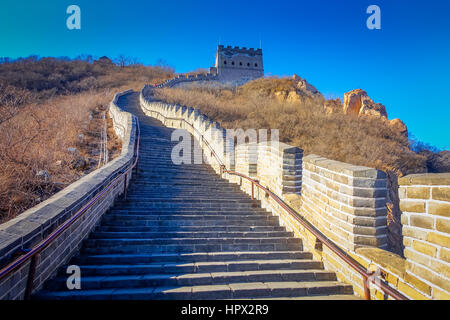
361	141
37	140
45	109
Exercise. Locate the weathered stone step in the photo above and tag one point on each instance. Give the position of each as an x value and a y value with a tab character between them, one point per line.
209	292
186	221
185	217
197	267
189	228
189	257
98	242
197	234
193	279
197	198
196	205
188	211
185	248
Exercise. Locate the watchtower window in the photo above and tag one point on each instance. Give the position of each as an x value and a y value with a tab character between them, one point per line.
240	63
256	64
225	62
232	62
248	64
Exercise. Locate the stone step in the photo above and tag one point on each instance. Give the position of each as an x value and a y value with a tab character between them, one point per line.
189	257
196	267
257	216
208	292
173	221
193	279
208	228
197	234
99	242
180	248
196	198
188	211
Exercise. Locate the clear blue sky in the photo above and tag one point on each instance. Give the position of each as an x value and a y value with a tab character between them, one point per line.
405	65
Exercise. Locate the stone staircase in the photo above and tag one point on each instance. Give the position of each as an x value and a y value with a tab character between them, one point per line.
185	233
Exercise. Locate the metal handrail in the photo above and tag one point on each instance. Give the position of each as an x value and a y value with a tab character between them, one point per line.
368	277
33	253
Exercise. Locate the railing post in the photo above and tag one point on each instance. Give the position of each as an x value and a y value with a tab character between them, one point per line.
366	288
253	191
125	187
30	279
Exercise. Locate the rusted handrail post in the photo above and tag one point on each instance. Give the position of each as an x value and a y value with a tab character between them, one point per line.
125	186
30	278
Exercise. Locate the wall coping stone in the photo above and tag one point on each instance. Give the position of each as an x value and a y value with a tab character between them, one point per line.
428	179
345	168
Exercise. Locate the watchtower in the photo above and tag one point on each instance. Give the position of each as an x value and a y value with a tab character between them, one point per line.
238	64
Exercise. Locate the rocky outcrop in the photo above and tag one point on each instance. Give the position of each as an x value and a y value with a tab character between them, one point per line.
304	85
399	126
358	102
333	106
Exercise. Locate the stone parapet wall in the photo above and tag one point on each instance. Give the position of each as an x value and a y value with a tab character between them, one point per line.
425	206
35	224
346	202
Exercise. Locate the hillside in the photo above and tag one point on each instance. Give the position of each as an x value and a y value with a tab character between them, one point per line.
50	121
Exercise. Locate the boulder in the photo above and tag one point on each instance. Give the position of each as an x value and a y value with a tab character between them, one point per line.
357	102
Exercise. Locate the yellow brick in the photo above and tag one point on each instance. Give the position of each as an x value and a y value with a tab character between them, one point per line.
444	254
425	248
407	242
418	284
441	193
410	292
416	257
404	219
439	239
421	221
434	278
439	208
440	268
443	225
414	233
440	294
418	192
412	206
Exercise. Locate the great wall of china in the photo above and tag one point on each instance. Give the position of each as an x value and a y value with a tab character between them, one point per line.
334	211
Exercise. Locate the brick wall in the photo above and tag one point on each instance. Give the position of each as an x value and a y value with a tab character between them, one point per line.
346	202
35	224
425	206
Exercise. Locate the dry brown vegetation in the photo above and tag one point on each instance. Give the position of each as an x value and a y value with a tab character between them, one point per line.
304	123
50	119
